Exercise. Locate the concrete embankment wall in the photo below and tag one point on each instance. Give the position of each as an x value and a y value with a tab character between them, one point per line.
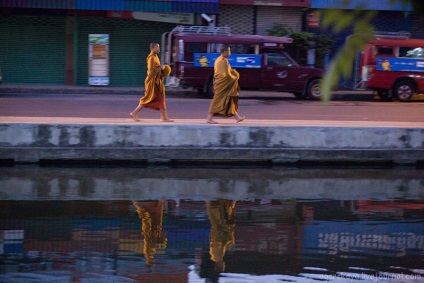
152	142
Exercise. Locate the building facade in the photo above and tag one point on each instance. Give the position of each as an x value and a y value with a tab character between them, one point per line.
47	42
257	17
390	17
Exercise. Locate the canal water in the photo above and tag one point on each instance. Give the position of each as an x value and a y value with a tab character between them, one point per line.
160	224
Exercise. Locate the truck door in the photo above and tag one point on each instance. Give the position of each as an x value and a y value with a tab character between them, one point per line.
278	71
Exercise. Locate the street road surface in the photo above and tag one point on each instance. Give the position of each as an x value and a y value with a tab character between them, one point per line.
255	105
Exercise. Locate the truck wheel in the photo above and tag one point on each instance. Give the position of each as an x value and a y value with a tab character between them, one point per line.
313	89
384	95
209	89
299	95
404	90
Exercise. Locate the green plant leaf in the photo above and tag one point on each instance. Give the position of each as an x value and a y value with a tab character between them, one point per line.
341	65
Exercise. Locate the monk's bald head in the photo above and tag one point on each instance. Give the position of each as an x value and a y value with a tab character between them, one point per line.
225	50
153	45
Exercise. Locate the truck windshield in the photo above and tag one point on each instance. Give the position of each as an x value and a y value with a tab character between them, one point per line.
411	52
278	59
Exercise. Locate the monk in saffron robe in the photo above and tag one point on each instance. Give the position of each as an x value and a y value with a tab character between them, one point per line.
154	95
226	89
221	214
151	214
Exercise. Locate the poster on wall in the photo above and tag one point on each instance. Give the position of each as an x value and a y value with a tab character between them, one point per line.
98	59
313	19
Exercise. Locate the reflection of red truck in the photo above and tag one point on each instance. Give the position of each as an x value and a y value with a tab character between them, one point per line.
260	60
393	65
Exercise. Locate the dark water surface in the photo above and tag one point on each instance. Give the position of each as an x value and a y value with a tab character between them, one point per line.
211	225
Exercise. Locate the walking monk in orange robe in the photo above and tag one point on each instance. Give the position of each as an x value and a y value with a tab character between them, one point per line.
221	214
154	95
226	89
151	214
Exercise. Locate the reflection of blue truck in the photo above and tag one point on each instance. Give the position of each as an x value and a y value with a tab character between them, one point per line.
370	238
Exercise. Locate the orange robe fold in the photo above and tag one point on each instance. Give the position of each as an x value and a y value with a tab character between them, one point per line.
225	100
222	217
151	214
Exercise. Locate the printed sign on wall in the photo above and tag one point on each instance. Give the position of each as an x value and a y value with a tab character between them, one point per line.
98	59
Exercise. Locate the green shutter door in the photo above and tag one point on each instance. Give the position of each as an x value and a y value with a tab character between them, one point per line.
32	49
128	47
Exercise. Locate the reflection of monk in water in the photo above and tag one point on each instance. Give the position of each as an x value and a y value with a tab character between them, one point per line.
222	217
150	213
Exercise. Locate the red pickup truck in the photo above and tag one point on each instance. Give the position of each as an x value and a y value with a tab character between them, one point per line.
260	60
392	65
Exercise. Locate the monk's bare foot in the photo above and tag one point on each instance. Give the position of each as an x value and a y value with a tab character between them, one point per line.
210	121
134	117
239	119
167	120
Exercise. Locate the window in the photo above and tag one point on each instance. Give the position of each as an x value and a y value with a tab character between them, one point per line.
235	48
242	48
277	59
411	52
385	51
215	47
194	47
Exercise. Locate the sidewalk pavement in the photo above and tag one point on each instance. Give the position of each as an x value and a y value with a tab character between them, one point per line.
131	90
112	90
190	92
72	89
202	122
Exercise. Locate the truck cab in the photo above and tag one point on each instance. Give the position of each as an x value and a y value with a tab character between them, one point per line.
261	61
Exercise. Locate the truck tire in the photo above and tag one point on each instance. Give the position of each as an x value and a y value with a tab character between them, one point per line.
404	90
299	95
384	94
313	89
209	89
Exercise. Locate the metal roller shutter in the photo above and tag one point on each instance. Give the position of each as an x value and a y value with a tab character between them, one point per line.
267	16
416	27
32	49
128	47
398	21
241	19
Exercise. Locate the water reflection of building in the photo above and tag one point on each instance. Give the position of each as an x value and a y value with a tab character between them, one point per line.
331	235
375	235
271	237
267	238
100	238
280	236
